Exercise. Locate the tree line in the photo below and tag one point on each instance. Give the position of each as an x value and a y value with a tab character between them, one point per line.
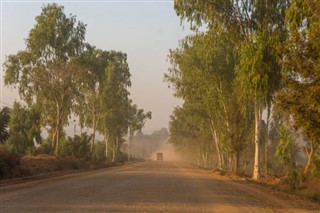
60	75
250	82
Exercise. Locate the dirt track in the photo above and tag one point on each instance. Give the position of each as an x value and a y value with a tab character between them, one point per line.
144	187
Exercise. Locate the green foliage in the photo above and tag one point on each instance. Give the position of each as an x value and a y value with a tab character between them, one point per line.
77	147
115	99
315	168
4	121
47	72
203	78
285	146
136	121
285	152
45	148
24	128
240	63
60	74
99	152
300	96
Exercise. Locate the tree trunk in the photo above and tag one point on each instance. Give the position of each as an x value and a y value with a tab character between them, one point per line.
216	141
205	159
198	158
106	138
236	161
54	132
257	115
130	142
94	127
95	123
57	134
310	154
114	151
266	146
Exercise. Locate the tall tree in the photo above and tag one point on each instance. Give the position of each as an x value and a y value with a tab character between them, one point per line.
115	101
251	26
204	77
46	71
300	96
90	104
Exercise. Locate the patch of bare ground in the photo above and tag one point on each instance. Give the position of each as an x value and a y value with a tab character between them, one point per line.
307	194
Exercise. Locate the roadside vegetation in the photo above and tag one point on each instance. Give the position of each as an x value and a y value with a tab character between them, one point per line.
250	82
249	78
60	77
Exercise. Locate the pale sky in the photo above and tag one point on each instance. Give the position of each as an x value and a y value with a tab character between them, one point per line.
145	30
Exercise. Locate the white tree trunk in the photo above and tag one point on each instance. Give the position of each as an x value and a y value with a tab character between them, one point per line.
257	115
106	138
216	141
266	147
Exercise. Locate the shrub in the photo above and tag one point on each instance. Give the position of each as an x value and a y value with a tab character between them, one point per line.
122	157
44	148
8	162
77	147
99	151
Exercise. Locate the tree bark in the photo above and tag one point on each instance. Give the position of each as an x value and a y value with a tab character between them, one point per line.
57	132
236	161
216	141
266	146
130	142
257	113
310	154
106	138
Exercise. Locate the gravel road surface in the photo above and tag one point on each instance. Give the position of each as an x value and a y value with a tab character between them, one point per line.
145	187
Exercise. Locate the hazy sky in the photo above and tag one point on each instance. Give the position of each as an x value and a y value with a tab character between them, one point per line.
145	30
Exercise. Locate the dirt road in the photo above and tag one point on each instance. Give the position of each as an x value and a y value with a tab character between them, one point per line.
143	187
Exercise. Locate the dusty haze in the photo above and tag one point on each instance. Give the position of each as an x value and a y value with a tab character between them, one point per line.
169	153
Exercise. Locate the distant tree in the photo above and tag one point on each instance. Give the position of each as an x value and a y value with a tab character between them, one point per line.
47	72
137	119
25	129
4	121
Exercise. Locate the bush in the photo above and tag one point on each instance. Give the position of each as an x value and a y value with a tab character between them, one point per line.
99	151
77	147
8	162
122	157
44	148
315	168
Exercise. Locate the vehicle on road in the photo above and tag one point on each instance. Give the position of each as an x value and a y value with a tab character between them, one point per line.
159	156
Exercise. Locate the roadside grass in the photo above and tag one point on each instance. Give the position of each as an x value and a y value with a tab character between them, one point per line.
306	187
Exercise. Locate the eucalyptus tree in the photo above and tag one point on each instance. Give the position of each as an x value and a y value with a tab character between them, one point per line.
4	121
25	129
115	101
90	104
300	96
188	132
136	121
47	72
204	77
254	27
